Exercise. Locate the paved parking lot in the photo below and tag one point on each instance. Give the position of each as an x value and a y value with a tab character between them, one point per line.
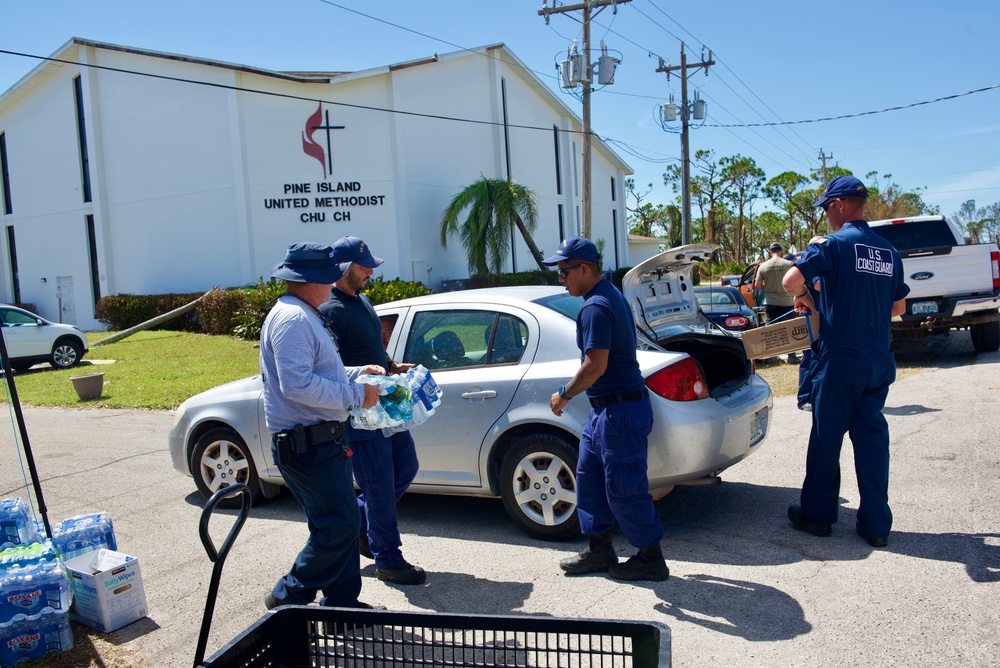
744	588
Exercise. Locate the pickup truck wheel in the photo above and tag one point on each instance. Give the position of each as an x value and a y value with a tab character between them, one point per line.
986	337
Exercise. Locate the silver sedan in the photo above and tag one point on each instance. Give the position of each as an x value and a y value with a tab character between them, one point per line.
498	354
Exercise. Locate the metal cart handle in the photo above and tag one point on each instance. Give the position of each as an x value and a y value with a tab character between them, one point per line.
218	557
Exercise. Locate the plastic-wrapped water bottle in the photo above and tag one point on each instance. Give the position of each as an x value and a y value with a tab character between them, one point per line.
379	415
20	556
16	525
82	534
29	589
33	636
430	386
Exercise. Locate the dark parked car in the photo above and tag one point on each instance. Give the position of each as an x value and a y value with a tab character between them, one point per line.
726	307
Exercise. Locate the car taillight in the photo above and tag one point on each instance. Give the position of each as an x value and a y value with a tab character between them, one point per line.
995	259
737	321
682	381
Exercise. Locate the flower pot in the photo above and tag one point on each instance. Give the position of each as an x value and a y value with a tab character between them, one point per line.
88	387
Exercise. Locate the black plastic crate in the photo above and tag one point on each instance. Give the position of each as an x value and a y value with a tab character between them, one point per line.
300	636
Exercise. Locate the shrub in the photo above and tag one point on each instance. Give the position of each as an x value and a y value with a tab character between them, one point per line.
380	291
258	302
219	309
120	312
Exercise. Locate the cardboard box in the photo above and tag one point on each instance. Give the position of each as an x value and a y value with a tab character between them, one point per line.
106	599
787	336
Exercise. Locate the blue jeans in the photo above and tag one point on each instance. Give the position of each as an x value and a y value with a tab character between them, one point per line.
611	479
320	480
383	468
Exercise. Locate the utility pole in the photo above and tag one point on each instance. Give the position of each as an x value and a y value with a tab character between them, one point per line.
586	7
823	159
685	150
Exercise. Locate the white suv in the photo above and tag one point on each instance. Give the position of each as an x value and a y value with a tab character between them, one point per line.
32	339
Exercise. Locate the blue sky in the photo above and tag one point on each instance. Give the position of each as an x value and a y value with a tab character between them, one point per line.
776	61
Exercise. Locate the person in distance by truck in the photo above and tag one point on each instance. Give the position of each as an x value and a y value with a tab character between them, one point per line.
862	290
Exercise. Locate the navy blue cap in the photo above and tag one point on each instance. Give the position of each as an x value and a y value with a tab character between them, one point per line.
575	248
842	186
352	249
308	262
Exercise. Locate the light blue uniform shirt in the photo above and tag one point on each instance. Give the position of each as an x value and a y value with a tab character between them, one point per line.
305	381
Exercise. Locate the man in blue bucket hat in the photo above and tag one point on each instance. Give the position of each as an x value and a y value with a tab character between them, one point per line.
307	398
862	290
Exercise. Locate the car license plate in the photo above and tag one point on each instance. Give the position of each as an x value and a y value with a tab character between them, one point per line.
756	428
924	308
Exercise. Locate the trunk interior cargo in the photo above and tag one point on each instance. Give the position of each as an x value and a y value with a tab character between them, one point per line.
722	359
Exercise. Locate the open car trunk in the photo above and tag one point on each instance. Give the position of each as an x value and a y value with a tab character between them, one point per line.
667	316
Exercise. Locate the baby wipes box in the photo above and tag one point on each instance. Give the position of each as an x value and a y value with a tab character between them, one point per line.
107	590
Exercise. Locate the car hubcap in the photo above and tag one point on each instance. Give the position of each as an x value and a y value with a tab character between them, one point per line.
545	488
64	355
224	464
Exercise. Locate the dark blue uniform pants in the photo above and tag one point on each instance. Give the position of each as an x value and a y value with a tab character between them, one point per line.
320	480
849	392
806	371
384	467
611	473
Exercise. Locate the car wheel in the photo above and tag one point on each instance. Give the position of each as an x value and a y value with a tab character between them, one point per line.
538	486
986	337
66	353
220	458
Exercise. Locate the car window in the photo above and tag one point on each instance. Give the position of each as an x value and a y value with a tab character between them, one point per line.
464	338
18	319
563	303
388	325
916	234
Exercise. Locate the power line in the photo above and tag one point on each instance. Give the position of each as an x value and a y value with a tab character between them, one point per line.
863	113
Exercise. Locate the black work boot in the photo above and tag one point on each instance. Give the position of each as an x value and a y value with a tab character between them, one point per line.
647	564
595	558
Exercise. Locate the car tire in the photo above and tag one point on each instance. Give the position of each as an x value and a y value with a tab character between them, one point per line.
220	458
986	337
66	353
540	500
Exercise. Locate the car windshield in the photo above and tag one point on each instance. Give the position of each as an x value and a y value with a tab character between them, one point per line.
916	234
563	303
714	297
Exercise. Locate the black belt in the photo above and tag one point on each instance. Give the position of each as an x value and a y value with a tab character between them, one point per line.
618	397
324	432
317	434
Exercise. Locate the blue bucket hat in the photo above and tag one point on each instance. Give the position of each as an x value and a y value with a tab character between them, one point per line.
575	248
308	262
352	249
842	186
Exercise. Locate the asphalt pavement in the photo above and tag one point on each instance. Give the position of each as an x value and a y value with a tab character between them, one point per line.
745	589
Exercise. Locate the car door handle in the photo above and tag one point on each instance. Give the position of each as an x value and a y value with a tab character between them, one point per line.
481	394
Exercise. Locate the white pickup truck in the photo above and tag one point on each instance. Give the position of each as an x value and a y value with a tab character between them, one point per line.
953	285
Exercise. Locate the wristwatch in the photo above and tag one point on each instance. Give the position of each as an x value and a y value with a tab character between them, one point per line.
562	393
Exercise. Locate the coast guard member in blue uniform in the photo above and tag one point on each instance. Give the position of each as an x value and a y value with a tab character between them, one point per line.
863	288
612	482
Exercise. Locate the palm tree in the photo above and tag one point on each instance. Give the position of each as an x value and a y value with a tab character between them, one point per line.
495	207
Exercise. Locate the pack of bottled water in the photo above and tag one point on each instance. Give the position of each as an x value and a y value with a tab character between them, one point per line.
28	637
407	400
20	556
26	590
82	534
16	525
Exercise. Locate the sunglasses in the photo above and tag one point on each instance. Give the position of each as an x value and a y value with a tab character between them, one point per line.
565	270
826	207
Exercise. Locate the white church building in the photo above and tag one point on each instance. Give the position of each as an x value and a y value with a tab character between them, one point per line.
131	171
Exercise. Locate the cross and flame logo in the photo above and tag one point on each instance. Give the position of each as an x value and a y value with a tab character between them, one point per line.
319	121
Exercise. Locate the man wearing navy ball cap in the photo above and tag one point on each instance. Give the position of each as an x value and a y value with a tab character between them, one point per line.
384	466
611	473
863	289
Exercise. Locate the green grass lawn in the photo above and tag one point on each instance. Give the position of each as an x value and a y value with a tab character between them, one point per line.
147	370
